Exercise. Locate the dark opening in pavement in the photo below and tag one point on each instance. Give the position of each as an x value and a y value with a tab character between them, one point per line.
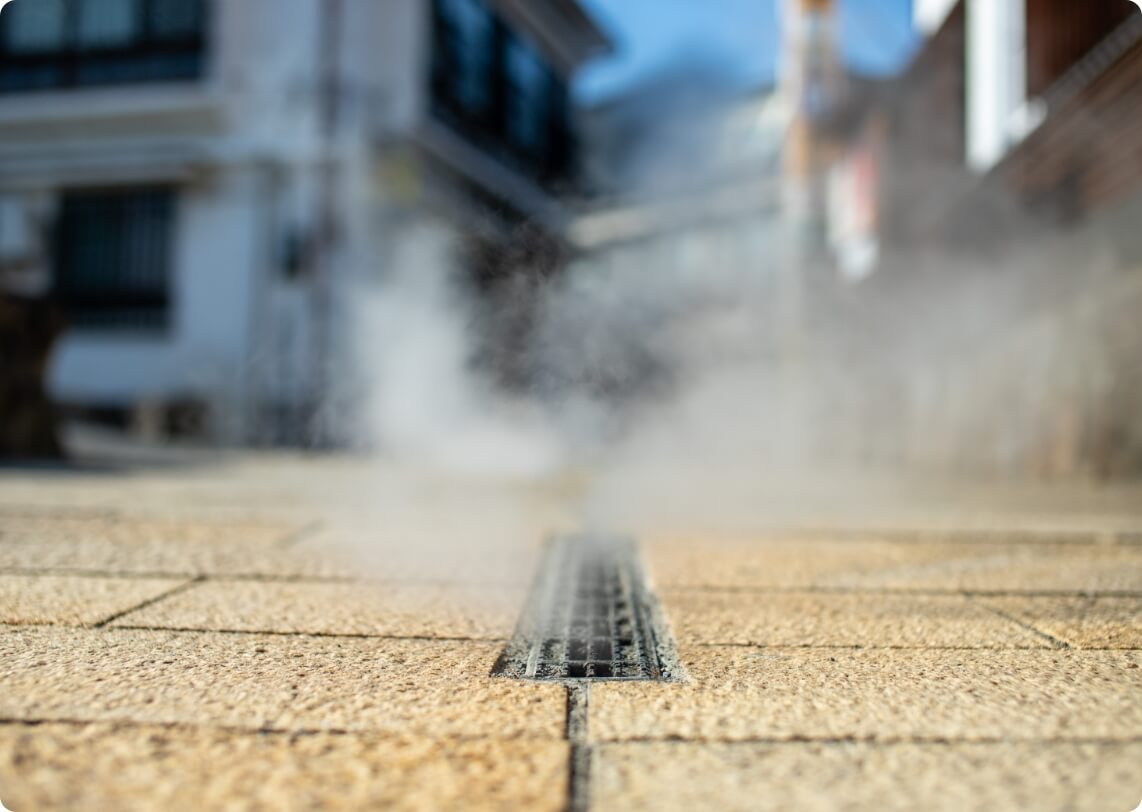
590	616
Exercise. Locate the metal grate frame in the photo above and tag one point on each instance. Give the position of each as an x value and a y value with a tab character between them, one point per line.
590	616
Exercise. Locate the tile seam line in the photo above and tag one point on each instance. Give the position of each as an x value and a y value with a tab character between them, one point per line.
1021	650
1056	642
660	588
501	640
895	591
1078	537
985	536
322	635
254	577
271	730
579	750
168	593
856	647
299	534
253	632
896	741
649	740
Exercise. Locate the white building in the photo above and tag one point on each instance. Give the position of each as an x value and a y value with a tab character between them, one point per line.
196	179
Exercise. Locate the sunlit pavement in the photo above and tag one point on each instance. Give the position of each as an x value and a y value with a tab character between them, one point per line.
293	633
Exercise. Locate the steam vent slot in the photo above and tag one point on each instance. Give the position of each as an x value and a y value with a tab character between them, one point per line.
590	616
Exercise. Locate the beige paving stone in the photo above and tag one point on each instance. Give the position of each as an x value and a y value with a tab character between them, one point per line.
74	600
100	766
438	528
453	556
124	545
1085	622
1056	532
856	563
144	546
854	777
823	619
1006	568
384	609
741	693
127	530
745	562
414	687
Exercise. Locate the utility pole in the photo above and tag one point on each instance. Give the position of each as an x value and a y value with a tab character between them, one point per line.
808	79
806	82
326	237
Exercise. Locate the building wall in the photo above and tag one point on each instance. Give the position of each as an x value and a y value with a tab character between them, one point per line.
1085	156
1060	32
201	353
923	170
240	147
288	182
1028	283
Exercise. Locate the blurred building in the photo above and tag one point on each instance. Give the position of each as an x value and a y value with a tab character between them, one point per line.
1009	196
812	80
199	182
685	171
995	86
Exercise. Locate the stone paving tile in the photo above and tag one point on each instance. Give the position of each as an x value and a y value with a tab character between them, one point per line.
140	546
23	492
823	619
1010	568
381	609
125	530
955	777
1058	536
128	767
1056	533
373	549
74	600
451	557
768	562
739	693
1084	622
868	564
287	682
438	528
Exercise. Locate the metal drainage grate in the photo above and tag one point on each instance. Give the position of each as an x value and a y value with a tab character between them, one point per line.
590	616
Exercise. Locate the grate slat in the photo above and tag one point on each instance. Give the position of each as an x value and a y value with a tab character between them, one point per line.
590	616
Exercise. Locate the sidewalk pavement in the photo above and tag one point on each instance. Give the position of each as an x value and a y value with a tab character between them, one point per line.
291	633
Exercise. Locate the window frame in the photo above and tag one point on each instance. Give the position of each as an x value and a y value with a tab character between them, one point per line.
117	305
75	65
550	158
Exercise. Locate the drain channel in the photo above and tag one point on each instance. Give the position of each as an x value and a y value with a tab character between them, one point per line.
590	616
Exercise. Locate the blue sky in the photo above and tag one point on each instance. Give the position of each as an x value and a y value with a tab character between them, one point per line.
876	38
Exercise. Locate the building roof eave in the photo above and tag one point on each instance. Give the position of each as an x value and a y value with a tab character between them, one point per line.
560	27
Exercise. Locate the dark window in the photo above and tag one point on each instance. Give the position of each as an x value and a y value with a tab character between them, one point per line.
47	44
493	87
470	27
463	59
560	160
527	102
113	257
34	28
